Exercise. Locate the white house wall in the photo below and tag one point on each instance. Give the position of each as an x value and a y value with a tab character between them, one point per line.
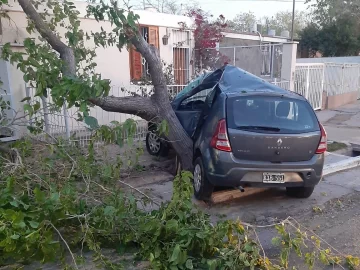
111	63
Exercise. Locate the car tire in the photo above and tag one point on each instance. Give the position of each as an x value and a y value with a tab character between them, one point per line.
300	192
202	187
155	146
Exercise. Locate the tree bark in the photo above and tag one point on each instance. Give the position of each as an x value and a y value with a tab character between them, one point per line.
140	106
156	108
177	136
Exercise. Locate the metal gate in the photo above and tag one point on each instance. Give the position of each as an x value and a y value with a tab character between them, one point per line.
309	82
7	113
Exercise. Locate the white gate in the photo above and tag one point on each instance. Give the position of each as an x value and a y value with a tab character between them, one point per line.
309	82
7	115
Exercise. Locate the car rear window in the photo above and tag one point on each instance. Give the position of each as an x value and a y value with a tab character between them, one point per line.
270	114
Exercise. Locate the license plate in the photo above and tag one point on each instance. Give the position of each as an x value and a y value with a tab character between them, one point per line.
273	178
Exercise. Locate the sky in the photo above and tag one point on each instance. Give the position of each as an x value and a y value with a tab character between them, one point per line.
229	8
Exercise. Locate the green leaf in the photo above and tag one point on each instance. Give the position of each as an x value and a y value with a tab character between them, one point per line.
34	224
151	257
171	226
324	258
39	195
14	203
83	107
189	264
212	264
175	254
248	247
116	123
37	106
164	128
55	196
15	236
284	257
25	99
29	109
109	210
92	122
21	224
275	241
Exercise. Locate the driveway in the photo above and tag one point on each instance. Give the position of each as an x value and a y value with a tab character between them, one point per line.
342	124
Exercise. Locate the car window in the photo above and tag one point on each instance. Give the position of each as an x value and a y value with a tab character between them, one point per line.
196	101
278	114
193	84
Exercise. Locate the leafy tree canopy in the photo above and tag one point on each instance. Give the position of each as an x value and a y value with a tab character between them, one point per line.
335	30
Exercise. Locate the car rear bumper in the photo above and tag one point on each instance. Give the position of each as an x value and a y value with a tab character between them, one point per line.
223	169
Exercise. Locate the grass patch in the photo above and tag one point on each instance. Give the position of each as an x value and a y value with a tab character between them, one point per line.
335	146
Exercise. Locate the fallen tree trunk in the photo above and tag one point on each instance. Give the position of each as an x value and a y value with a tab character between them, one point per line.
156	108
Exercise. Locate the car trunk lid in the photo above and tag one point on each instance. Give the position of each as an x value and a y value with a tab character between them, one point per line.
272	128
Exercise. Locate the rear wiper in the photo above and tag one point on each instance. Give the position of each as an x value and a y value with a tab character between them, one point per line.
275	129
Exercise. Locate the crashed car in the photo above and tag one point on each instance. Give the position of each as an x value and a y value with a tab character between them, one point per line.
247	132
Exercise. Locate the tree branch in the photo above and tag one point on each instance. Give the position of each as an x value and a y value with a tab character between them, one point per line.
152	57
41	26
140	106
66	53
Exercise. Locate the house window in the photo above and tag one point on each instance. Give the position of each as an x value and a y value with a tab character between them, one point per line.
139	68
181	55
266	59
181	65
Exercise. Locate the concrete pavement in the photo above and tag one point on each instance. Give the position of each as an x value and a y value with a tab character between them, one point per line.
342	124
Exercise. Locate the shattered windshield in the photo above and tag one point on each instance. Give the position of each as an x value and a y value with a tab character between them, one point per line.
196	82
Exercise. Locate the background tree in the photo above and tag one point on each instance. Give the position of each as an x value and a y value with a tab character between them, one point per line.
65	69
282	20
165	6
335	30
207	34
338	38
242	22
327	11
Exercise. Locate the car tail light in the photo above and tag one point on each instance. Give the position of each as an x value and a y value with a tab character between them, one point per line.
323	142
220	140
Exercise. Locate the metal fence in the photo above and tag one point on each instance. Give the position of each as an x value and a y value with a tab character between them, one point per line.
309	82
64	123
261	60
312	79
341	78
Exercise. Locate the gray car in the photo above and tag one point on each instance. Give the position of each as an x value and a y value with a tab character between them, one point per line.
248	132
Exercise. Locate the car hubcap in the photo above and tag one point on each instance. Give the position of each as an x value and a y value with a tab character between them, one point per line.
197	178
154	142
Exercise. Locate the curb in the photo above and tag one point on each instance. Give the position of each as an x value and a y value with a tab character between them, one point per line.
341	165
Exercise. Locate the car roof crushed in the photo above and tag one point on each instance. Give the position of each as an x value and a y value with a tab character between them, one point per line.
234	79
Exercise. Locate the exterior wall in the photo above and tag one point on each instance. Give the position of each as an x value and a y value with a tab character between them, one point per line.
340	60
333	102
111	63
245	52
289	63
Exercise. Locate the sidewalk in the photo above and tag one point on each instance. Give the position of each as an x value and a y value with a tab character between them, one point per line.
342	124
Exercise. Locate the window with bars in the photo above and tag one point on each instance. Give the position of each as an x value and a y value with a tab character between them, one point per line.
139	69
181	56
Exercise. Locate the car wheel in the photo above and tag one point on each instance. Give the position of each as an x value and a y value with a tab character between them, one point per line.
202	187
155	146
300	192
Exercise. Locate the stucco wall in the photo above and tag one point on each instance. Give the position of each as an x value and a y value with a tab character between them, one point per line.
111	63
336	101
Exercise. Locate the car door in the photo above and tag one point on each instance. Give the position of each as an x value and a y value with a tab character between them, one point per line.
190	110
